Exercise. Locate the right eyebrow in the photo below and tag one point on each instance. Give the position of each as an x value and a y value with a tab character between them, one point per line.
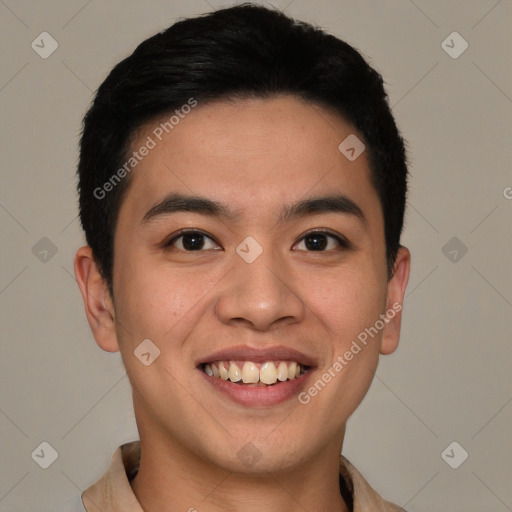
185	203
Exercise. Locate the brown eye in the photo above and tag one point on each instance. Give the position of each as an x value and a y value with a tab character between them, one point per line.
190	241
321	241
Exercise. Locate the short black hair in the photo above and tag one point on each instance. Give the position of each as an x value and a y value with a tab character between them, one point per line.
238	52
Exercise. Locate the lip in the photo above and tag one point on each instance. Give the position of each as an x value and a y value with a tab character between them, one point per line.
254	396
258	355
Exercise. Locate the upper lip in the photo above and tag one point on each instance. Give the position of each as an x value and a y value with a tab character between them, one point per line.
258	355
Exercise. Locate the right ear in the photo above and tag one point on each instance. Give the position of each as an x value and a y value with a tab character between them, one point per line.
99	307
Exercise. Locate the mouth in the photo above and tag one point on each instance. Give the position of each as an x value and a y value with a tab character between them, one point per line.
257	377
249	373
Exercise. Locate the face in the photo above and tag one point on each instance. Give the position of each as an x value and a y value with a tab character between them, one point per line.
280	259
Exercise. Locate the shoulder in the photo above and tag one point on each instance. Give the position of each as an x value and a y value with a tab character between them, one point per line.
365	498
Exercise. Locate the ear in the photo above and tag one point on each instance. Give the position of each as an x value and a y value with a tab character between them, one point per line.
396	291
98	304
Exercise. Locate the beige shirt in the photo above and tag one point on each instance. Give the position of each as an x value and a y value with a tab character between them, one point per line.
113	493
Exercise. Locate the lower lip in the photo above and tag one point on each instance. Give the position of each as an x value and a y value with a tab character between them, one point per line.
259	395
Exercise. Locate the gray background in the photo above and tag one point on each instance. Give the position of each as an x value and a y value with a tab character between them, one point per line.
450	378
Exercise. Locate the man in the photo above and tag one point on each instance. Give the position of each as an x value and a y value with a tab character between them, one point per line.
242	190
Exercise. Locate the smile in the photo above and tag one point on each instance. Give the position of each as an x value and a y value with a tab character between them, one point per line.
261	374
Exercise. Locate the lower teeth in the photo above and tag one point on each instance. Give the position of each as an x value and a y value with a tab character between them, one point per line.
257	384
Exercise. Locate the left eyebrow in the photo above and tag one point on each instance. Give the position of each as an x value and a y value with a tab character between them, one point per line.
337	203
173	203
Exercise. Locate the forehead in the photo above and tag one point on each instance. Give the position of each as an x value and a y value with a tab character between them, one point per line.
253	155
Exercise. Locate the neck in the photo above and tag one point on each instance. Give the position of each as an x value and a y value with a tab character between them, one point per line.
170	479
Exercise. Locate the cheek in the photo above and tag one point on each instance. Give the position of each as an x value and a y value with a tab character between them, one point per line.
348	302
159	302
351	307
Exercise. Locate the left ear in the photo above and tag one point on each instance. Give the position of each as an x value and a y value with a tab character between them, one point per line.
396	291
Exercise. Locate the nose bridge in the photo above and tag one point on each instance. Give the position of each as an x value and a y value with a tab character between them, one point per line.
258	292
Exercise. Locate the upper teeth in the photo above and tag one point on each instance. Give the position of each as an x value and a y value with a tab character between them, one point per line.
268	373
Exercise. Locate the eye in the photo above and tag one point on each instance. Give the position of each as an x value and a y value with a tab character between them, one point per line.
191	240
314	241
322	241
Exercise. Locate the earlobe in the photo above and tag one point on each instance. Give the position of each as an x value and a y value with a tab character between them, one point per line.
99	308
396	292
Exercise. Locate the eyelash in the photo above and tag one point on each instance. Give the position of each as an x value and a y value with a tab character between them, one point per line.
343	242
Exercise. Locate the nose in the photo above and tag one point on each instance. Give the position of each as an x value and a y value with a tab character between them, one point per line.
260	295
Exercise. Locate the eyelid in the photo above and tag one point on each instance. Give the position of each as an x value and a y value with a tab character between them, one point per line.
340	238
175	236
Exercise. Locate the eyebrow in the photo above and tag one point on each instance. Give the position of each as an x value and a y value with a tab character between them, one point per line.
176	202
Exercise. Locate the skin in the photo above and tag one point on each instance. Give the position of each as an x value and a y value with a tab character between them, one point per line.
254	156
